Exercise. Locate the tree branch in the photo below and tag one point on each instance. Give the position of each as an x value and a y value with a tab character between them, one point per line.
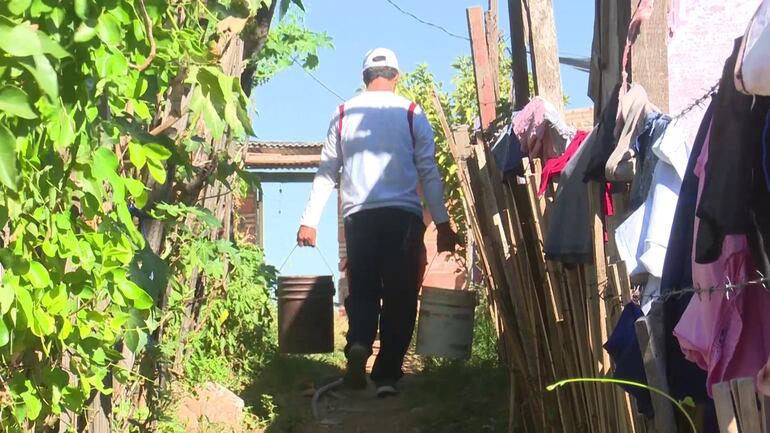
148	29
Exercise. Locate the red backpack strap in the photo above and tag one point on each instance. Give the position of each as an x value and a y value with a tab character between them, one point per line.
410	117
341	109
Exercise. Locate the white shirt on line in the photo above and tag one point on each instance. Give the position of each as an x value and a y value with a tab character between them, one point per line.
376	162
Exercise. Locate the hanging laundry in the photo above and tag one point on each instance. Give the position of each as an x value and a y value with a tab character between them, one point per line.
711	332
643	237
541	130
623	347
569	235
654	126
685	379
555	166
727	199
634	108
605	141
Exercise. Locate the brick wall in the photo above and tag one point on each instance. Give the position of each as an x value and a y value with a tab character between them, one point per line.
580	118
701	40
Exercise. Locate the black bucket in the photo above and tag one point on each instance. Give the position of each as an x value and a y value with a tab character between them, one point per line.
306	314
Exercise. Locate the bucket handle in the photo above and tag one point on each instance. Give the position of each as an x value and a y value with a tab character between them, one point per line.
323	258
430	265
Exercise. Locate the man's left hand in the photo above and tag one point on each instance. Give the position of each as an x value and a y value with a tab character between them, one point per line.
447	239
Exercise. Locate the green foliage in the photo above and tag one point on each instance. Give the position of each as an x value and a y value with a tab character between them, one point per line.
290	42
237	334
82	84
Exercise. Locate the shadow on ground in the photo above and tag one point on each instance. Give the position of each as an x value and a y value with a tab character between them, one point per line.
282	392
436	398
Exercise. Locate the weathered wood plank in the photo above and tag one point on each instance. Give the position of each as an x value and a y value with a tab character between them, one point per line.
481	66
545	52
728	422
656	378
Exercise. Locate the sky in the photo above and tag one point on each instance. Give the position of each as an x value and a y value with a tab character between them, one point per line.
292	106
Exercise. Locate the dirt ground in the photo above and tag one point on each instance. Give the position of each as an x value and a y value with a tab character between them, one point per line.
362	412
462	397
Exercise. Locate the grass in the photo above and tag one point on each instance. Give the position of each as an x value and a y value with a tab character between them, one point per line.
276	395
461	398
442	396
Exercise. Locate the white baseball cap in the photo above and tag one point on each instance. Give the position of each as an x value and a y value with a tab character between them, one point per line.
379	57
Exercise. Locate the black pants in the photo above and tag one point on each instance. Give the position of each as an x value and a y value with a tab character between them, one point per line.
386	262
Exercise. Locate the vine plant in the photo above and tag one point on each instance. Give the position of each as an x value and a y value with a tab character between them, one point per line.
107	108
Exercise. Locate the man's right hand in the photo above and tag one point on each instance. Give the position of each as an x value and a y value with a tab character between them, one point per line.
306	236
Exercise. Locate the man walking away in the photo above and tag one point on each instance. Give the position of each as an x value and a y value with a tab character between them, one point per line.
379	146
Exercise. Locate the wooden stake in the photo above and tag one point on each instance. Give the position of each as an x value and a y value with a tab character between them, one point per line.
655	371
746	404
520	88
493	46
545	52
481	66
723	401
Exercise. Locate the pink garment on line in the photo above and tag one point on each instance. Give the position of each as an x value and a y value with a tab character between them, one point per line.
711	331
553	167
532	126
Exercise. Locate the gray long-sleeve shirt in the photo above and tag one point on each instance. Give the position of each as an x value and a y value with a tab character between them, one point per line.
376	161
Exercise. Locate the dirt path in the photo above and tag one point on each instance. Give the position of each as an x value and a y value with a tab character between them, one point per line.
348	411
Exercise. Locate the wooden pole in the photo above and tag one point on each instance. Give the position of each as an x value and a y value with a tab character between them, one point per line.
545	52
653	367
481	66
493	45
649	59
520	86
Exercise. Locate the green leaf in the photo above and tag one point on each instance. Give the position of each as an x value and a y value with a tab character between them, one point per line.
142	300
20	40
150	272
84	33
136	154
45	76
38	275
25	302
105	163
8	171
6	298
5	335
108	29
61	128
156	152
52	47
15	102
157	171
31	401
135	187
43	324
142	110
17	7
81	9
135	338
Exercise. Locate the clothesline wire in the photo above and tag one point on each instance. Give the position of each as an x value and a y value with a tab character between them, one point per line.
317	80
427	23
727	288
698	102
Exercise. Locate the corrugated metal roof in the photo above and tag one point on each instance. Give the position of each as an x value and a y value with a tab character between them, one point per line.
254	143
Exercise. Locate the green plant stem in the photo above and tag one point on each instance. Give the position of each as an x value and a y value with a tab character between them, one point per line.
626	382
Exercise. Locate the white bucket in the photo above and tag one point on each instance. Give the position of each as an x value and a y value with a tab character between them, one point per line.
445	327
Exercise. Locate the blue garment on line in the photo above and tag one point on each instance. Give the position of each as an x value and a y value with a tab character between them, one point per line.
623	347
654	127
